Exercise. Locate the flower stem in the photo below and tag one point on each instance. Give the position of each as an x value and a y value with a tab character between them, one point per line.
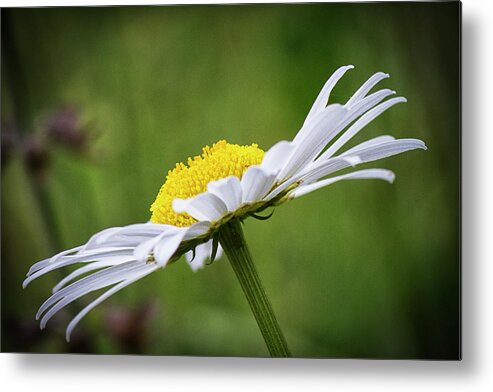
233	242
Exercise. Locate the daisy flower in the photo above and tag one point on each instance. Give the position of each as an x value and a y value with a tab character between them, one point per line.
198	210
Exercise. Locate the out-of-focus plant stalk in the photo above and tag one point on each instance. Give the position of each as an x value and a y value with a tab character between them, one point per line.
34	153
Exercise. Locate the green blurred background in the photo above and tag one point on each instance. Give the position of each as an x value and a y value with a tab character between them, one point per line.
97	105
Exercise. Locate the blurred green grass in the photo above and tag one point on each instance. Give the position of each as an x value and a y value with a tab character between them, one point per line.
360	269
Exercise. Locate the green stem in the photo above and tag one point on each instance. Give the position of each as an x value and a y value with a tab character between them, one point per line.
233	242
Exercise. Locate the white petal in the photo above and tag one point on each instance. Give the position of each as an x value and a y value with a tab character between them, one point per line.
386	149
203	207
202	253
167	246
84	257
371	152
111	265
137	230
144	229
314	141
368	143
43	263
197	230
277	156
382	174
321	169
100	244
144	249
366	104
323	97
100	237
326	129
106	295
133	235
228	190
88	284
359	124
366	87
314	171
256	183
91	267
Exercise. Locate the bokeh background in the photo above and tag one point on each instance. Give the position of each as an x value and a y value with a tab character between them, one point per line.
97	105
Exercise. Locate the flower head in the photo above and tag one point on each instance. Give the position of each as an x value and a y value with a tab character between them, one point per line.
227	182
183	182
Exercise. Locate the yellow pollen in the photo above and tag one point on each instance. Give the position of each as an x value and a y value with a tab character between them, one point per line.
216	162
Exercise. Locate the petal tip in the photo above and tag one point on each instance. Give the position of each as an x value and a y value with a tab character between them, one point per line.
195	267
421	145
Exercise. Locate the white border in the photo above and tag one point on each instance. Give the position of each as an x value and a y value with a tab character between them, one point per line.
474	373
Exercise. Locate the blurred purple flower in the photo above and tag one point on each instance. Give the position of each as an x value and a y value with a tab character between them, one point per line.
130	326
64	127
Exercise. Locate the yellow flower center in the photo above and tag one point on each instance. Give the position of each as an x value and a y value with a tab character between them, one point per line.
216	162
